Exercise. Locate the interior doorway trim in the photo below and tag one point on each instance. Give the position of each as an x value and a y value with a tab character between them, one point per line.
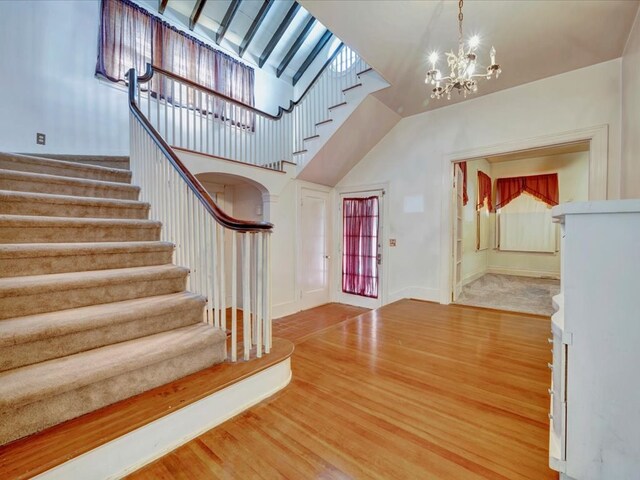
598	138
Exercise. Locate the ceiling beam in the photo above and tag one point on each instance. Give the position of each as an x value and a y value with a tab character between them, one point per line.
195	14
296	46
279	32
162	4
264	9
312	56
226	21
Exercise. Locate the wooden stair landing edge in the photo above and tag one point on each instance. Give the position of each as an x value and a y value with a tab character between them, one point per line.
33	455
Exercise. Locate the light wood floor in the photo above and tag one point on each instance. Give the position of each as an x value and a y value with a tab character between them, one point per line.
414	390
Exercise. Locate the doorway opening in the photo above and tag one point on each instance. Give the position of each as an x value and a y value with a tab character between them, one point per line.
506	247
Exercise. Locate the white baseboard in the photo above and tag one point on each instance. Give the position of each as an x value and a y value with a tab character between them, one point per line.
132	451
523	273
284	309
419	293
473	277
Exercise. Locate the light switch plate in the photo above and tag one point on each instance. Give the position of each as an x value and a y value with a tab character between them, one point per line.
41	138
392	242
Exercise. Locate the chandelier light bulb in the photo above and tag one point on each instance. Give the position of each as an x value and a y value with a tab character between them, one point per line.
474	41
433	58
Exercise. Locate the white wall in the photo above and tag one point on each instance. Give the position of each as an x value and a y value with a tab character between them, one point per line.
413	157
631	114
48	59
474	262
573	182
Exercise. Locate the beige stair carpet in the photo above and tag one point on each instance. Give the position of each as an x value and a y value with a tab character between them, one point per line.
92	310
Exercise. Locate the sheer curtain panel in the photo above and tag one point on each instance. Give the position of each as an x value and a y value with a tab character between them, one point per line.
360	246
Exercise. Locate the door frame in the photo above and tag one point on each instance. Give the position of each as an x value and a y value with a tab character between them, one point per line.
383	222
298	243
598	138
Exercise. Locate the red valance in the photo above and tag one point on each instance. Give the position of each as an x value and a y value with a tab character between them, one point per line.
484	191
543	187
465	197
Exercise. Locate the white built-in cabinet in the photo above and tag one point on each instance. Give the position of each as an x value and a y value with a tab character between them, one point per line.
595	335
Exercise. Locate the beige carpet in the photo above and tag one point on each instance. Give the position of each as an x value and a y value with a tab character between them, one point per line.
509	292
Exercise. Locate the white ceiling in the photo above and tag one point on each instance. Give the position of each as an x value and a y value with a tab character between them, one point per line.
534	39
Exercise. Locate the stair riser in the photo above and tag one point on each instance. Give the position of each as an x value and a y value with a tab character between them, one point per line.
27	207
30	418
33	186
74	297
60	346
16	267
54	234
109	162
65	171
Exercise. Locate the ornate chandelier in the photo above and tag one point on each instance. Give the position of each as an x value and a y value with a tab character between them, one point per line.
462	66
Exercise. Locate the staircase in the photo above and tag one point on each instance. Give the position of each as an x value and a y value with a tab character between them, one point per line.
92	310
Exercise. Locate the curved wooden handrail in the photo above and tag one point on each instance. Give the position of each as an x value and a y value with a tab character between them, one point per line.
281	110
196	187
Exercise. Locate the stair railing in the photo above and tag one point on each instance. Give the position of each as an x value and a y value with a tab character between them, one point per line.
196	118
205	237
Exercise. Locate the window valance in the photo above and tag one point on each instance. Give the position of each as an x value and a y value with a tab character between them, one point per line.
542	187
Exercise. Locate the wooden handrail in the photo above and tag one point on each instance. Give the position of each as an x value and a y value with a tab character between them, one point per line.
281	110
192	182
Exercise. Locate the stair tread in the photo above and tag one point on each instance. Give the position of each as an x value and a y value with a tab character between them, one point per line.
27	384
88	279
27	250
58	179
42	221
28	328
83	167
16	195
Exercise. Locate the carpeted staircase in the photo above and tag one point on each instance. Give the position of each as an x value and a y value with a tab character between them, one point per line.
92	310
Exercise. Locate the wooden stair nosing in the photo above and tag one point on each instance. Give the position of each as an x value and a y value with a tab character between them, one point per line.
328	120
337	105
351	87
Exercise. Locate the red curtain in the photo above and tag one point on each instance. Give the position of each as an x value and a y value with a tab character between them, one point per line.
543	187
360	218
465	197
484	191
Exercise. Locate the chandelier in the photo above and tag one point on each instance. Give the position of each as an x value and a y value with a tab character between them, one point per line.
463	67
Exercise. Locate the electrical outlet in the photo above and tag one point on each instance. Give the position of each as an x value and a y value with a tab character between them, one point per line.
41	138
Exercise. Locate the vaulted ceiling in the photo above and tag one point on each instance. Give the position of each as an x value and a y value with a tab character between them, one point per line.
279	36
534	39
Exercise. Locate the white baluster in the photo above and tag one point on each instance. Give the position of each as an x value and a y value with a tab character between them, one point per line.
258	309
246	295
234	298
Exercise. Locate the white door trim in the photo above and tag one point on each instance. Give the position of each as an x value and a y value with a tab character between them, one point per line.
383	287
598	137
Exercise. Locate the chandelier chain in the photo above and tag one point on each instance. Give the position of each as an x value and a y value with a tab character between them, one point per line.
460	17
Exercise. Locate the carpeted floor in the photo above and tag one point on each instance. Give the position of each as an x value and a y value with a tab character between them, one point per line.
509	292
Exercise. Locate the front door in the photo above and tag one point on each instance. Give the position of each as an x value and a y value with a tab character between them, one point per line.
361	249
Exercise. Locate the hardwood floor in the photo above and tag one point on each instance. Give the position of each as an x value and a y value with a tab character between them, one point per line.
414	390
